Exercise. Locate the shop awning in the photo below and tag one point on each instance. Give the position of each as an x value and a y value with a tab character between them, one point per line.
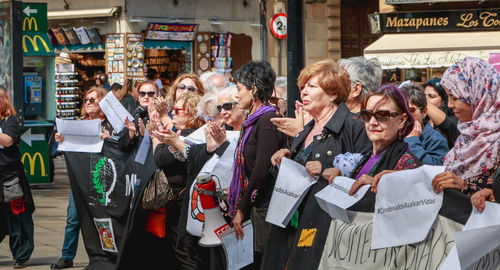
37	44
84	13
421	50
80	48
167	45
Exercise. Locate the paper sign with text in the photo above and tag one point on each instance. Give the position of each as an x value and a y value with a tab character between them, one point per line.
405	207
335	199
291	186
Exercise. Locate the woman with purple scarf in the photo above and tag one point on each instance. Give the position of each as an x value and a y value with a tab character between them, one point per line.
252	185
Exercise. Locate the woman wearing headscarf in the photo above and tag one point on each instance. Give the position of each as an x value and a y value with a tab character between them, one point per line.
473	88
440	116
324	87
16	209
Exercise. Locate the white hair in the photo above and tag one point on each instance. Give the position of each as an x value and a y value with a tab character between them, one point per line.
208	104
367	72
231	91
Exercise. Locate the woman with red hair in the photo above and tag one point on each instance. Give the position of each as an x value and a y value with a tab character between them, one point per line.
16	201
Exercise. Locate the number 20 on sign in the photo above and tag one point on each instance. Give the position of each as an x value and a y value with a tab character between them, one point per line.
278	25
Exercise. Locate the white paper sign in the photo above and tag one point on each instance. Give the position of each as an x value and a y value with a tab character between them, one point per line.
239	253
292	184
115	112
334	198
481	234
225	166
406	207
80	135
142	153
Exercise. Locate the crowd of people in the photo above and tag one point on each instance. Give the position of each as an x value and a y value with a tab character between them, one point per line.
346	124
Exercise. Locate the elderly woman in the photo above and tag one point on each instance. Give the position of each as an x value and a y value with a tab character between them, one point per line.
15	211
324	87
388	121
90	111
158	243
439	115
473	88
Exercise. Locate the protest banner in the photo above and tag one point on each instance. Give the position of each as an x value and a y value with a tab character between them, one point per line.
103	186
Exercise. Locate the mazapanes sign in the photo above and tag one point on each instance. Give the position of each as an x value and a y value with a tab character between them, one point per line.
441	21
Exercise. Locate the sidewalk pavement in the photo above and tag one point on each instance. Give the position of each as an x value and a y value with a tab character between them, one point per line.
49	217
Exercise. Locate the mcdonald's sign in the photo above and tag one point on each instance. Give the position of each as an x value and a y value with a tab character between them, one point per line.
30	21
32	160
37	40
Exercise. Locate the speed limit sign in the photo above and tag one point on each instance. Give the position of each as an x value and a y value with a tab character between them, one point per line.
278	25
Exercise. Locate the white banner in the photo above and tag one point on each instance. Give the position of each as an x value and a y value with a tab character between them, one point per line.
347	246
291	186
335	199
405	207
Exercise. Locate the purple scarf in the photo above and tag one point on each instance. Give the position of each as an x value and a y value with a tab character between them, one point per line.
239	179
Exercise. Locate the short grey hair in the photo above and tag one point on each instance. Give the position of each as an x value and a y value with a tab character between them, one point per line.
231	91
207	104
367	72
415	94
280	82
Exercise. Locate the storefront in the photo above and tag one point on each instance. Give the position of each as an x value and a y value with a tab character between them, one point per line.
443	38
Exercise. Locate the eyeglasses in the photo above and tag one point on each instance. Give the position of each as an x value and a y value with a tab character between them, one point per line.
226	106
91	100
380	116
177	110
184	87
150	94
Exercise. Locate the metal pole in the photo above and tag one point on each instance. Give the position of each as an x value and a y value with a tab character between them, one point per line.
295	51
263	30
279	57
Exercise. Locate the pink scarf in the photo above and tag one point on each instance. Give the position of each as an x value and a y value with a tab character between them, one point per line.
477	83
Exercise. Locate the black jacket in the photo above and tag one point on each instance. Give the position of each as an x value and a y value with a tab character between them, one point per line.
343	133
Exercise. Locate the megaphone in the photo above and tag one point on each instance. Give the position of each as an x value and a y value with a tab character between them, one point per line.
214	224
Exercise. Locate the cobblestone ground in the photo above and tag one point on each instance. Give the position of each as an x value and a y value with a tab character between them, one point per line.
49	218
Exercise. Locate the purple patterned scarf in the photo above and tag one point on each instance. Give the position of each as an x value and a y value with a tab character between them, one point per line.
239	179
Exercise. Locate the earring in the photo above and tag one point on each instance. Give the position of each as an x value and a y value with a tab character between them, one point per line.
399	134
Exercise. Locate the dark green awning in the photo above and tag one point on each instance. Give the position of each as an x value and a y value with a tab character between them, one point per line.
37	44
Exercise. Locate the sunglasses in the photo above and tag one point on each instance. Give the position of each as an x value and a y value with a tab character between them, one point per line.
380	116
150	94
91	100
177	110
275	100
226	106
184	87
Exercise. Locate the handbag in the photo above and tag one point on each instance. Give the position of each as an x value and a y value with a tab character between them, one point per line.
157	193
12	190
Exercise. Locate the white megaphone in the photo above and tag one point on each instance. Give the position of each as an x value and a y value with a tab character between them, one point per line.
214	224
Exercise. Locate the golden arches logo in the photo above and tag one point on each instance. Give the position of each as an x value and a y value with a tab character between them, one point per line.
30	21
34	43
32	162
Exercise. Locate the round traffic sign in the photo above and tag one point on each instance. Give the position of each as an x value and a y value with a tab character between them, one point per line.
278	25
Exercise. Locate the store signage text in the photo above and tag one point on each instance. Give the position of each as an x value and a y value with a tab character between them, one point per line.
178	32
469	20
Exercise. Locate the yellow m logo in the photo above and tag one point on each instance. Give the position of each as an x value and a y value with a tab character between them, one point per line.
30	21
34	43
32	162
